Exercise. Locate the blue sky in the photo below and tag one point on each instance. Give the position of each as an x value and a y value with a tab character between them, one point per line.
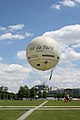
20	22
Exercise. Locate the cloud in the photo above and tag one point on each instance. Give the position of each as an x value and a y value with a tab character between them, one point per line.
55	6
1	58
16	27
14	36
12	28
66	77
78	1
13	71
66	73
70	54
76	46
29	34
11	32
2	28
13	75
66	36
21	55
37	82
66	3
11	36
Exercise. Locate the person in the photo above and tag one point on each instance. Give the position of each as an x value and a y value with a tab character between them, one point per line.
65	98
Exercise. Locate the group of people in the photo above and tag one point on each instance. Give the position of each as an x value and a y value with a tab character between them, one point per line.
67	98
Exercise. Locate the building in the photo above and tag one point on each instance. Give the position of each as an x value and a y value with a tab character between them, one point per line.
3	88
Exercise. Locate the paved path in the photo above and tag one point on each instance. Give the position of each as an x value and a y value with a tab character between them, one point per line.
40	107
59	109
30	111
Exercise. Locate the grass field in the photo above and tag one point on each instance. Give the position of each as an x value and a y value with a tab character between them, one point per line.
11	114
55	115
38	102
20	102
45	114
62	103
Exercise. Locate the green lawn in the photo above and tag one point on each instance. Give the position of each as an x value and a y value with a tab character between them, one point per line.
11	114
62	103
38	102
55	115
20	102
40	114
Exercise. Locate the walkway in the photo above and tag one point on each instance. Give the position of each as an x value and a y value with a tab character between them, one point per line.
30	111
40	107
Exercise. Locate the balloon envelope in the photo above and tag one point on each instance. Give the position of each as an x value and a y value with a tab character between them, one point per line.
43	53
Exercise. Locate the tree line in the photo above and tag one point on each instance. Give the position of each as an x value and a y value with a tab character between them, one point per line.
23	93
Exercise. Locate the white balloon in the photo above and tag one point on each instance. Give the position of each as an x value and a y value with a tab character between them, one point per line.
43	53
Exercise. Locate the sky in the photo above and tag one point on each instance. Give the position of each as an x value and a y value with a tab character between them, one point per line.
23	20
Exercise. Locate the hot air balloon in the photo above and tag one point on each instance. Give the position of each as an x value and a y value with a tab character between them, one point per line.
43	53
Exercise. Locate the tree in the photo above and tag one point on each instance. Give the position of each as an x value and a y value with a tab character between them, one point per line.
23	92
32	93
39	94
44	94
